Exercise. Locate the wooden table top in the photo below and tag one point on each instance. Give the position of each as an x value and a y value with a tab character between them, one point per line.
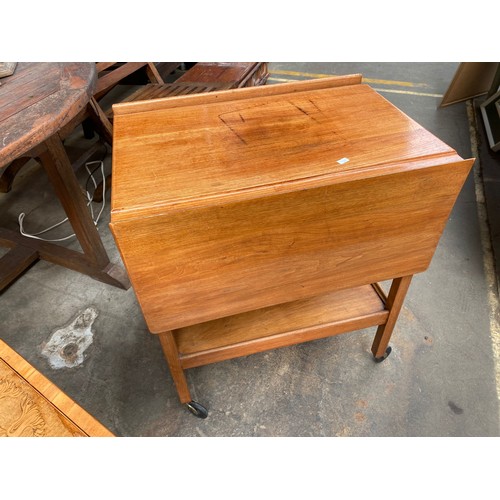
227	143
39	99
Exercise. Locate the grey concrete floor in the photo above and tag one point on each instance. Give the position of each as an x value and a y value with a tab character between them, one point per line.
440	379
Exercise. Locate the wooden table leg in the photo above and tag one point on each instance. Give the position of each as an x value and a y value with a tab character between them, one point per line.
25	251
94	261
395	300
15	261
9	173
61	175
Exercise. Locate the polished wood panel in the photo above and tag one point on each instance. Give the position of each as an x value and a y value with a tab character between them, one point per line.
224	236
236	94
263	142
266	251
277	326
32	406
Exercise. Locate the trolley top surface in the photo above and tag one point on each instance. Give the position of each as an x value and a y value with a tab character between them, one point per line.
188	149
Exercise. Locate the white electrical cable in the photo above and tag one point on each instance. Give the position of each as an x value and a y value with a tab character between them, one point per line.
89	204
95	187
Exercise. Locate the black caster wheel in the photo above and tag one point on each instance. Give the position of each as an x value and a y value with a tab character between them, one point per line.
196	409
386	354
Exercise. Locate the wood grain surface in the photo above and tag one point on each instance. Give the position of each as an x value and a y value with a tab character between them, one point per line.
277	326
259	197
222	149
32	406
190	266
38	100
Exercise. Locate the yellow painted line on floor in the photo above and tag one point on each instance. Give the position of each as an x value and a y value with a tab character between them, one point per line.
408	92
390	91
488	259
365	80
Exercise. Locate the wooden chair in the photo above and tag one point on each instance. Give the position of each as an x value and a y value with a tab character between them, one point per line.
109	75
204	77
226	74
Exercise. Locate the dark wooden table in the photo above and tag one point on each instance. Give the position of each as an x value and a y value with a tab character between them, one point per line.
37	103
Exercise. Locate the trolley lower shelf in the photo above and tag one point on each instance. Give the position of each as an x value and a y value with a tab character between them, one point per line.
283	325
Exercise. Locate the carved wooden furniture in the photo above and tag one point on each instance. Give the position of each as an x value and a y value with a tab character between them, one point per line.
37	104
32	406
266	216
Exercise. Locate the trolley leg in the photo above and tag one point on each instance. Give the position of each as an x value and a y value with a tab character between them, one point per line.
395	300
171	353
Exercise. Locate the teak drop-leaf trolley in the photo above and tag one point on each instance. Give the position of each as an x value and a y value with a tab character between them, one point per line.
263	217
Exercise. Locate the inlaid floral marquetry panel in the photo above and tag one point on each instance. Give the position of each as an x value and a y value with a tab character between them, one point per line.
24	412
